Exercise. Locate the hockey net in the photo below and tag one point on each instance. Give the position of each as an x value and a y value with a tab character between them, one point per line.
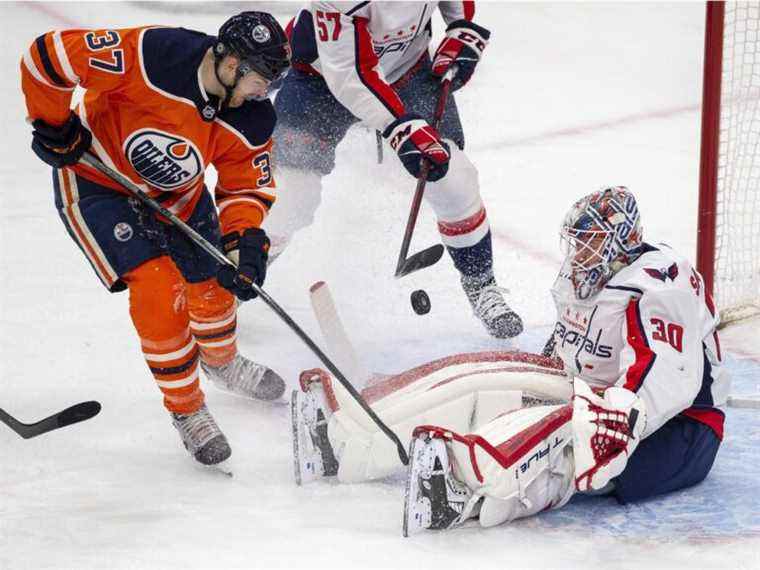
728	242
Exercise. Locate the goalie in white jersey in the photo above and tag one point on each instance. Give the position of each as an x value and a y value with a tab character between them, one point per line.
369	62
636	335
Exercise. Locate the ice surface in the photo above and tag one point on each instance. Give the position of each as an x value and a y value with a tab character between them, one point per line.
569	97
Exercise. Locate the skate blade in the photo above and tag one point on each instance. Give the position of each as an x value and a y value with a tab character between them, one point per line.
295	436
220	469
418	511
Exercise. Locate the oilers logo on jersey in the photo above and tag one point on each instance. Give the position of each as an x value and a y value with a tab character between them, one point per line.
163	160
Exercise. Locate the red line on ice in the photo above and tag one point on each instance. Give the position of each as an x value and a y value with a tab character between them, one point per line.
51	12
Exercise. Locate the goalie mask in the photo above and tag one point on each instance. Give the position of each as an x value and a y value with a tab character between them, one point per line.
600	235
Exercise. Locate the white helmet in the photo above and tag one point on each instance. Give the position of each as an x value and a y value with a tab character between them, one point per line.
600	235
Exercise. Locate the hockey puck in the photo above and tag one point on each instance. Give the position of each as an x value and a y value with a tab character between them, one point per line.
420	302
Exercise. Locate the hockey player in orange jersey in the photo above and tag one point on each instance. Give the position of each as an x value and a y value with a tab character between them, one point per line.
162	104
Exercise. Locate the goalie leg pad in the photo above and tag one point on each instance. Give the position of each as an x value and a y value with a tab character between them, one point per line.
520	463
463	395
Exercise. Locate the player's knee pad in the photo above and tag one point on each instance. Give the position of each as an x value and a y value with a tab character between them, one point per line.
462	218
520	463
460	395
456	195
157	302
206	301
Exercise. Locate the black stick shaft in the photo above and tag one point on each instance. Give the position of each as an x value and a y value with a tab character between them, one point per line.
424	171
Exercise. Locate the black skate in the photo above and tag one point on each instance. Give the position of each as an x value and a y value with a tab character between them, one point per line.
434	498
244	377
202	437
313	456
488	304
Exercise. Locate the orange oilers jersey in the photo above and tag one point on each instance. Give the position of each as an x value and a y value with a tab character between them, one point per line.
151	118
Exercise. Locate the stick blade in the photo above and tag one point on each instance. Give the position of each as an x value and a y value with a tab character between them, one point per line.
78	413
420	260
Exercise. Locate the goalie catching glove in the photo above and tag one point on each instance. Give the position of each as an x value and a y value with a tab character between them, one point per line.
606	431
414	139
463	45
249	252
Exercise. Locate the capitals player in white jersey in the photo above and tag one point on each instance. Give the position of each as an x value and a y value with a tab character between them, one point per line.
369	62
642	382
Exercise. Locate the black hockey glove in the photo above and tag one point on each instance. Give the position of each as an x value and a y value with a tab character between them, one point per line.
414	139
250	252
463	45
61	146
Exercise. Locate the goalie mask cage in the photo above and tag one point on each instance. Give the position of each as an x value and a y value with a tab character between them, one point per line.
728	230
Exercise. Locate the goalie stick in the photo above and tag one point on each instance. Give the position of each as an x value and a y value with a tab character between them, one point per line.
76	413
338	344
432	254
94	162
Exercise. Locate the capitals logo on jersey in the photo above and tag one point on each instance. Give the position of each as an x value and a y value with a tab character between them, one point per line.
161	159
663	274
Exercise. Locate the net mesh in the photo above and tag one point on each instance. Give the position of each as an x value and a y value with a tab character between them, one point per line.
737	247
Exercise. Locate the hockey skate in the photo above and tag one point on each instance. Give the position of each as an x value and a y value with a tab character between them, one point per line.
489	306
434	498
313	456
202	437
244	377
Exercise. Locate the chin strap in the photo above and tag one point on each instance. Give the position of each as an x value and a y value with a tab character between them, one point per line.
228	90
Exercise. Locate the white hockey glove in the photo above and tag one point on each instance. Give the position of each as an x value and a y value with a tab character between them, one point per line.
606	431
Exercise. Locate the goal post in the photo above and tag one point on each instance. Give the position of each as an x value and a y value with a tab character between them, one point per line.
728	228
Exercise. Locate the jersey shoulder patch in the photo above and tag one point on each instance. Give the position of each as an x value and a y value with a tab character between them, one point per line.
657	269
254	120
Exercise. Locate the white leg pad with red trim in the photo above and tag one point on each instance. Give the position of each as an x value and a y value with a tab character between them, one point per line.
521	463
462	396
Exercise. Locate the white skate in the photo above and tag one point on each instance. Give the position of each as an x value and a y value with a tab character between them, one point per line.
434	499
313	456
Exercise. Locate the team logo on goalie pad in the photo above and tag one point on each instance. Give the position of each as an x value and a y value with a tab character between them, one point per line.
163	160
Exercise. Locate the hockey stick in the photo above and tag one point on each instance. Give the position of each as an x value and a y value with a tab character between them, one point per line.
92	161
337	343
74	414
432	254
